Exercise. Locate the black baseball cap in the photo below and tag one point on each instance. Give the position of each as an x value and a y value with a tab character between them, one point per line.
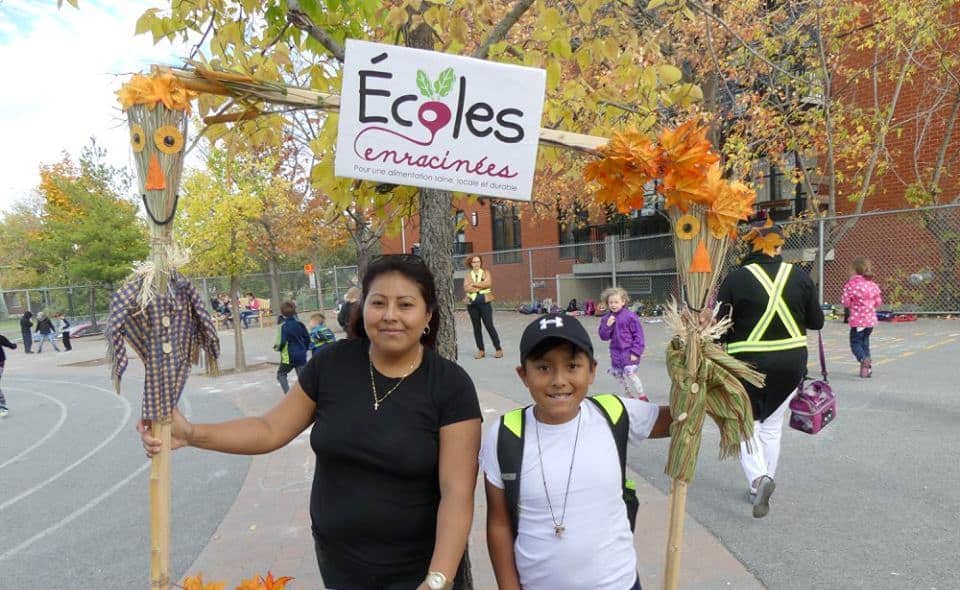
554	325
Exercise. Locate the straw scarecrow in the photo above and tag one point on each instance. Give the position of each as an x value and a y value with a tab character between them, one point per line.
704	211
157	310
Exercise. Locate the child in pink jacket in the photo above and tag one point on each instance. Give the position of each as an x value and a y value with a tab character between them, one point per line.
862	296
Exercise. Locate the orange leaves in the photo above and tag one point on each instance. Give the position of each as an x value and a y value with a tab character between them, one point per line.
690	173
257	582
157	88
734	203
630	161
197	583
687	157
765	239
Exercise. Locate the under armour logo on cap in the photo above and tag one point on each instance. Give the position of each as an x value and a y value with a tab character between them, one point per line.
556	321
554	326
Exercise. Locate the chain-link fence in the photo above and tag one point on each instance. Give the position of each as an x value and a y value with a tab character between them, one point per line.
915	255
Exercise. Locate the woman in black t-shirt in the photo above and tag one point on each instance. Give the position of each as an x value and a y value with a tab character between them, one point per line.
396	432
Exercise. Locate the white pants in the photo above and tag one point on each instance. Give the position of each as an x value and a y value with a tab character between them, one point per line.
764	446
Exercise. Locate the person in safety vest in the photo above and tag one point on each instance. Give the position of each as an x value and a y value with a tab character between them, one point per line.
772	305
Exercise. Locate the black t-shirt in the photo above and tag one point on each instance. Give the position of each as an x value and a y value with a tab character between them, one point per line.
376	485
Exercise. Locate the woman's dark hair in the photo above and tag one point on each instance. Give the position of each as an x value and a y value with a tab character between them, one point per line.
413	268
468	261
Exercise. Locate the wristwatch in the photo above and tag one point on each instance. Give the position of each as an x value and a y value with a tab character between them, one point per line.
437	581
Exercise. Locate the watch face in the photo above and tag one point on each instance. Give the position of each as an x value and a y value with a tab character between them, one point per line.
436	582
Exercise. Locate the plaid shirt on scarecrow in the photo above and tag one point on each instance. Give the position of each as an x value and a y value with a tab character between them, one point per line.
167	335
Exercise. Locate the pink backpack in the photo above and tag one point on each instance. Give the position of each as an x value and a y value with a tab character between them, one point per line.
815	405
589	307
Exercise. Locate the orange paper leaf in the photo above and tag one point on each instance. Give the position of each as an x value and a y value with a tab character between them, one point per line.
155	180
159	87
734	203
196	583
701	259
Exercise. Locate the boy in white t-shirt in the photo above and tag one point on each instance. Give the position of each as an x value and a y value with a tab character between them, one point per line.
572	531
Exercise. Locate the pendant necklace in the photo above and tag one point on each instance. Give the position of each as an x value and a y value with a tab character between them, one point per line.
558	528
377	400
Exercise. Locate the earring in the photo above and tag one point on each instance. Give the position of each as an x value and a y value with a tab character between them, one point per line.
426	330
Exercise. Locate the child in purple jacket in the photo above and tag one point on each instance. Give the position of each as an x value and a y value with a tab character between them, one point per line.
622	328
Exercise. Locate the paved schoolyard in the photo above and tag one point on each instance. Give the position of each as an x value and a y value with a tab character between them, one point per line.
869	502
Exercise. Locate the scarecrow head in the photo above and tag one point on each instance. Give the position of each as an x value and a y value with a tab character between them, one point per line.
157	107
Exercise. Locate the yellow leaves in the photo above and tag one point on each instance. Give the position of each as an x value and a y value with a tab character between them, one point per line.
159	87
553	74
398	17
765	239
669	74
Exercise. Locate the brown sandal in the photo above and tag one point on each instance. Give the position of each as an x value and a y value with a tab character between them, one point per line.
498	354
480	354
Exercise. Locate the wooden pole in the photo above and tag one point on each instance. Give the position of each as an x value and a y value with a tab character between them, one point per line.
160	508
678	504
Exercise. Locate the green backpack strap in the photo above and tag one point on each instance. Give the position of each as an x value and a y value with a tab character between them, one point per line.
614	411
510	459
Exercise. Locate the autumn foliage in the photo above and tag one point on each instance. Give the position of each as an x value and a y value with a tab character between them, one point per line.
688	170
257	582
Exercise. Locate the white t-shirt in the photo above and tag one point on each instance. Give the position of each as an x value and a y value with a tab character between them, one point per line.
596	549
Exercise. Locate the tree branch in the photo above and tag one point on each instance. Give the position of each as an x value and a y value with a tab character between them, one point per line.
301	20
499	32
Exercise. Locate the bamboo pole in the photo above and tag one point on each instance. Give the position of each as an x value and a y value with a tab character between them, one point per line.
160	508
244	87
678	504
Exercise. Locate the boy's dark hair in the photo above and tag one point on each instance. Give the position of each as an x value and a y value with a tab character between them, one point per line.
288	308
251	295
319	317
541	349
413	268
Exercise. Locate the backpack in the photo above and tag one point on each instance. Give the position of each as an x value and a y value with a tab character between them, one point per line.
572	306
510	453
589	307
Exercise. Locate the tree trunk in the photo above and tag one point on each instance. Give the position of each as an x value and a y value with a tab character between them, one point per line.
274	286
368	247
240	358
436	248
437	229
93	309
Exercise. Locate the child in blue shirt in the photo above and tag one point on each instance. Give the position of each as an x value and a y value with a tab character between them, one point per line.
292	343
320	334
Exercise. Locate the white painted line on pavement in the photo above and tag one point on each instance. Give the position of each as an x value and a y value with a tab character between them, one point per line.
76	514
126	418
54	430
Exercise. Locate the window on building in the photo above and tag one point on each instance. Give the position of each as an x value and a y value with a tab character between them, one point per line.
780	188
573	229
506	232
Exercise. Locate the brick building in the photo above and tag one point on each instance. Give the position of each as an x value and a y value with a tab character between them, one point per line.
533	259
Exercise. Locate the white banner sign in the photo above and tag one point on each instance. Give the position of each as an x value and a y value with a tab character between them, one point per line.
422	118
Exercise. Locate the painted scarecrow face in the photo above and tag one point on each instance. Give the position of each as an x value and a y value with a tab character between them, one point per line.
157	107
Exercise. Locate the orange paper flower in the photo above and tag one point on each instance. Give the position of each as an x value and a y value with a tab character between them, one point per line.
701	259
159	87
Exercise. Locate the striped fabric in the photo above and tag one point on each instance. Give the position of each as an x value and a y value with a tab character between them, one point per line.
167	335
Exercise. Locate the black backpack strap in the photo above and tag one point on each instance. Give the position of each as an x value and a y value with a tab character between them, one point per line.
510	459
614	410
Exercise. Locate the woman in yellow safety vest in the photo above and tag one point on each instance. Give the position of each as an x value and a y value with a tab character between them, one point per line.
478	285
772	305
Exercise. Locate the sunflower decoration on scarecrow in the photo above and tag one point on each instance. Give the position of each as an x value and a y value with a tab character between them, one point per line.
704	209
157	310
